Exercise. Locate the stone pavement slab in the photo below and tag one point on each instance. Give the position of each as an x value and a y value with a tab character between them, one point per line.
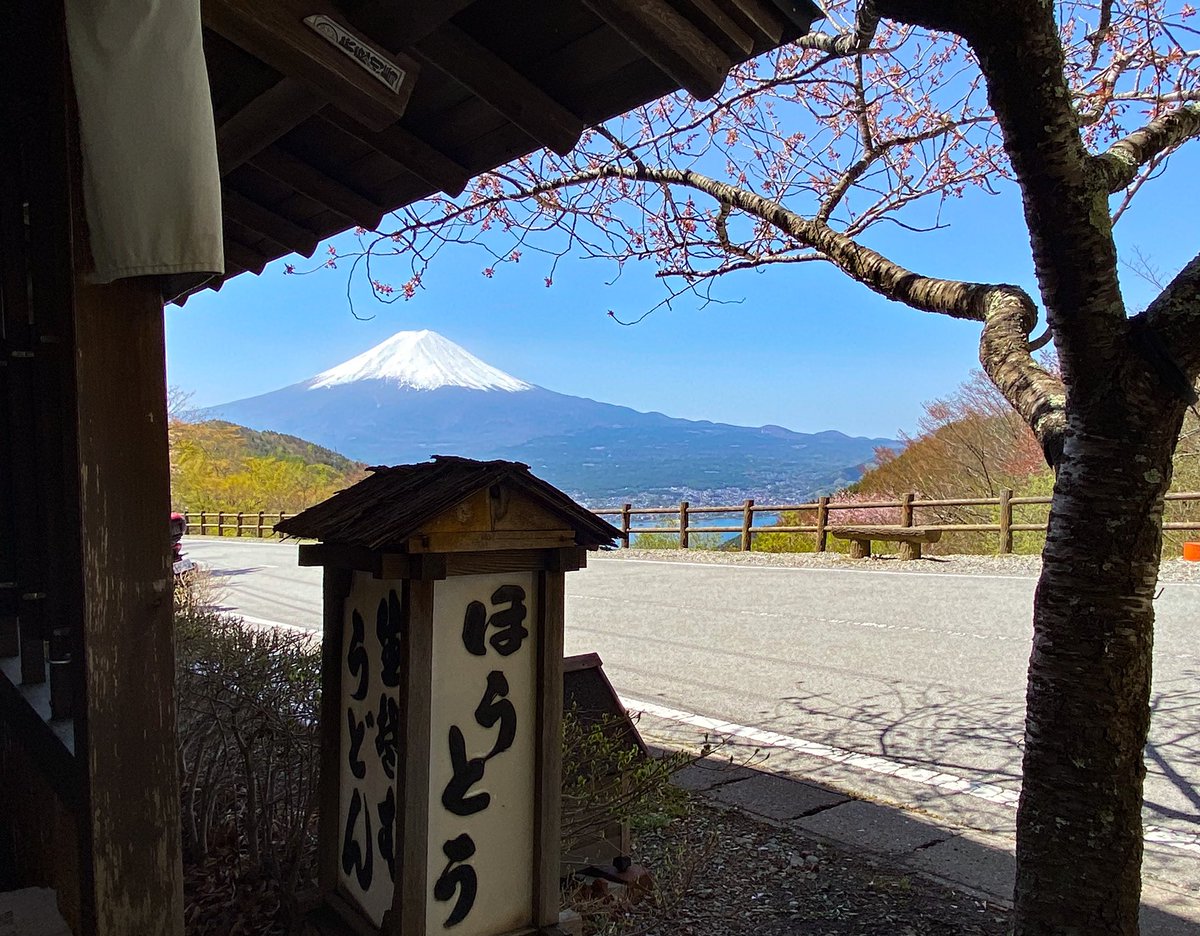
977	862
776	797
872	826
710	772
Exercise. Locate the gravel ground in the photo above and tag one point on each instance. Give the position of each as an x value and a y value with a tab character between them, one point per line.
1173	571
721	873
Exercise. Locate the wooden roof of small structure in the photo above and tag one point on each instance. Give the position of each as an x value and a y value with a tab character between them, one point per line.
383	510
311	143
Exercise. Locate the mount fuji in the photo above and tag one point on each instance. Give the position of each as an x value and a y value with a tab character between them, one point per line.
418	394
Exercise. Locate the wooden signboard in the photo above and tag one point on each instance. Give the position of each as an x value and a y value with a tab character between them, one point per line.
443	682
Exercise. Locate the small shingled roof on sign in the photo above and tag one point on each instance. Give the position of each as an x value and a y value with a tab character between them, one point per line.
390	505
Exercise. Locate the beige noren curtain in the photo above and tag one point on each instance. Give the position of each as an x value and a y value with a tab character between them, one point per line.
152	189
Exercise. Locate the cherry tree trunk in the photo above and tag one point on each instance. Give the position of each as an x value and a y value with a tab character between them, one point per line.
1079	824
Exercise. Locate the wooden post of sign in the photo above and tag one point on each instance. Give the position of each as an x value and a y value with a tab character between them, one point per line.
822	522
1006	536
747	524
410	898
547	833
336	588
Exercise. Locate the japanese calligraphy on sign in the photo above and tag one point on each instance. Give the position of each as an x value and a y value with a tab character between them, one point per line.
482	768
371	648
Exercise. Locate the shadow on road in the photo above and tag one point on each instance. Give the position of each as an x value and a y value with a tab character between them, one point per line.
232	573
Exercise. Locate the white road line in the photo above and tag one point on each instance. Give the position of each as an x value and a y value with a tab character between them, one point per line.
870	762
874	763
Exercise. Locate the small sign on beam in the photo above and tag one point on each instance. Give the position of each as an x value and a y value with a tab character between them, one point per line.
374	61
309	41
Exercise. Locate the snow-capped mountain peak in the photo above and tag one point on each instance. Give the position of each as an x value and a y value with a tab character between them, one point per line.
421	360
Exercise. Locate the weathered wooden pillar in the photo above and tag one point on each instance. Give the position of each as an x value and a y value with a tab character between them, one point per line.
87	718
132	811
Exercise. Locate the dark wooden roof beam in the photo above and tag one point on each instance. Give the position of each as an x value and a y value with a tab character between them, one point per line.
673	43
324	189
267	118
800	13
276	32
716	22
399	24
502	87
421	159
264	221
246	258
760	18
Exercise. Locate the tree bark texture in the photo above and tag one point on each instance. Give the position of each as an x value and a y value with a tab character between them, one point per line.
1079	828
1065	202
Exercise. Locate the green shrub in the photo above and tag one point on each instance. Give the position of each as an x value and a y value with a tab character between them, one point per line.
607	778
248	700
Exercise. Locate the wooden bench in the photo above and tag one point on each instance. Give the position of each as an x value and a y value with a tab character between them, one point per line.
909	538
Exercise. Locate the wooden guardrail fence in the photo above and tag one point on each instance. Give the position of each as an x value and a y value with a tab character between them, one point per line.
233	523
823	510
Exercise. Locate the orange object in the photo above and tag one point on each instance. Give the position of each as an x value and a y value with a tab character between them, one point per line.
1191	552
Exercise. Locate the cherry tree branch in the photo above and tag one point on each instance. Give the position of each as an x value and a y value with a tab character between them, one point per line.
875	151
1006	354
850	41
1118	167
1007	313
1174	316
1023	61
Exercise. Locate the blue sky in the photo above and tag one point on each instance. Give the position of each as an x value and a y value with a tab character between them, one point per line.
799	346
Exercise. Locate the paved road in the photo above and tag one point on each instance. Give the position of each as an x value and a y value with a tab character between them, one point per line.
923	673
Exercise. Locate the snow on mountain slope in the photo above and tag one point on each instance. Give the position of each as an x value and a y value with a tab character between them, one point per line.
421	360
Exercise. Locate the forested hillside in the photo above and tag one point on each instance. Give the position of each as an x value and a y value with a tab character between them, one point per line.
218	465
971	444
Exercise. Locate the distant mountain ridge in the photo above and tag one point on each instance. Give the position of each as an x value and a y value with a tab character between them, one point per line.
419	394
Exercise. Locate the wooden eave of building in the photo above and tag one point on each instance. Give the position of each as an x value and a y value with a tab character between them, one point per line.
450	504
311	145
